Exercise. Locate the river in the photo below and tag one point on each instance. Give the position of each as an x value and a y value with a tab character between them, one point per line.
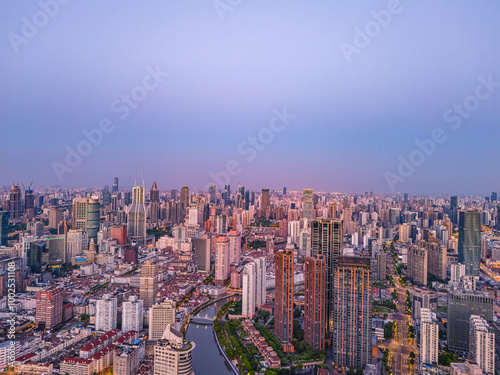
207	359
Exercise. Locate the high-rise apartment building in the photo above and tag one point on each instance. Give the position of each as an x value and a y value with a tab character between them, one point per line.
136	216
283	310
352	307
49	308
160	316
327	239
461	305
482	344
417	265
106	311
437	259
222	268
314	303
429	337
381	258
234	246
469	241
15	209
148	283
132	315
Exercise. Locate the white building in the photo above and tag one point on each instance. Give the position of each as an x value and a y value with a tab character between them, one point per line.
294	230
132	315
105	316
482	344
429	337
248	292
457	271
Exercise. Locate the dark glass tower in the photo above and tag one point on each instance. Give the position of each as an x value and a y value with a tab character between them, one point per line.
469	241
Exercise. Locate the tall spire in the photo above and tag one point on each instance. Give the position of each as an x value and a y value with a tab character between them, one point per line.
143	178
135	182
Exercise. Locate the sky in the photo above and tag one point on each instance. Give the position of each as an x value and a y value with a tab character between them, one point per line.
383	96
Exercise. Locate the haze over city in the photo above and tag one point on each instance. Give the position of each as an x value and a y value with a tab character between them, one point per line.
358	103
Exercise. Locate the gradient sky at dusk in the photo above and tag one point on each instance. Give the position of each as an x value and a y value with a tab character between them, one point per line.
226	77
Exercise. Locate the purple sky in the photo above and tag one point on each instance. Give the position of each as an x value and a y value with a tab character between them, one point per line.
228	74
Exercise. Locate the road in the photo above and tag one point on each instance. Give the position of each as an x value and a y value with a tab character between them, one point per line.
402	345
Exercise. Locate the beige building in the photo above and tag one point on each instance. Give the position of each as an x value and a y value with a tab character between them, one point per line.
160	316
417	265
148	283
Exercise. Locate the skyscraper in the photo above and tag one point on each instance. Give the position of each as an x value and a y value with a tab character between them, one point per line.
132	315
29	204
454	209
482	344
136	218
234	246
352	307
283	310
87	215
461	305
49	308
15	203
429	337
185	197
4	227
154	203
314	303
222	270
106	196
469	241
105	316
265	204
114	189
148	283
201	250
327	239
307	203
213	196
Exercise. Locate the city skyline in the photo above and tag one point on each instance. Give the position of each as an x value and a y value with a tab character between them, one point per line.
212	80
